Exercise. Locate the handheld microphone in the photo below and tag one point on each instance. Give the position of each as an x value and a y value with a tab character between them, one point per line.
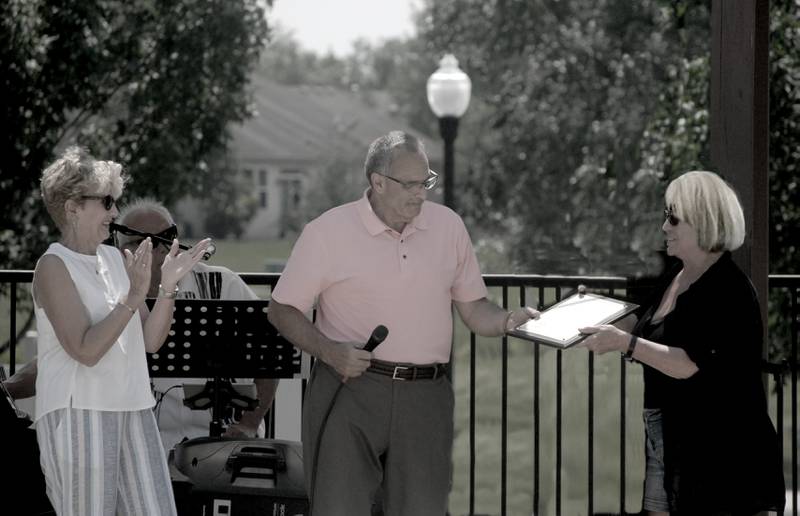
379	334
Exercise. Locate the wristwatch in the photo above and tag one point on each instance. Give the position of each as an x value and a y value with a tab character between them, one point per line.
631	346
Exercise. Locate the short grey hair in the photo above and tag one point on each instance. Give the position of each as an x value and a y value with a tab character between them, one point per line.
710	205
383	150
74	174
144	205
137	206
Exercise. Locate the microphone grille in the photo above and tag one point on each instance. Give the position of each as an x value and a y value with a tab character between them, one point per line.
380	332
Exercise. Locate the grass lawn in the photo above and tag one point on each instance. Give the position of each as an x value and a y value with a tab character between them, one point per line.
520	428
250	256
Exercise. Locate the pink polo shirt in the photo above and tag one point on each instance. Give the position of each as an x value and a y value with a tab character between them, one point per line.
360	273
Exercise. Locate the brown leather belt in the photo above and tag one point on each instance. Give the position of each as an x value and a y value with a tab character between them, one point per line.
407	372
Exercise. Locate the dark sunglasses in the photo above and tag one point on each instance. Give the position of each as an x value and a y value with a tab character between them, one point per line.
164	238
107	200
669	215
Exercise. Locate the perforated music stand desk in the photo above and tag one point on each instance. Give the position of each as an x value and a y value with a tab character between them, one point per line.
223	339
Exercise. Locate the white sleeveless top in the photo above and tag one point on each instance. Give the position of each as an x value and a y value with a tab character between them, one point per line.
119	381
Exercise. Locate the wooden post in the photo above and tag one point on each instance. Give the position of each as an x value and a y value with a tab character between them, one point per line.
740	123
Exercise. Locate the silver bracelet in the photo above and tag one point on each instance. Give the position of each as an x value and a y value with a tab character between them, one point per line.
169	295
131	310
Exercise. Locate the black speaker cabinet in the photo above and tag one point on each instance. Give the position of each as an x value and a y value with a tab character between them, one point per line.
238	477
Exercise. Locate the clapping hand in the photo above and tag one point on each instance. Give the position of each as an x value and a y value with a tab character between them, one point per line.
137	265
176	265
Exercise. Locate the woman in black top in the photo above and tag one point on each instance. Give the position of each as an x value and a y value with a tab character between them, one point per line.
702	366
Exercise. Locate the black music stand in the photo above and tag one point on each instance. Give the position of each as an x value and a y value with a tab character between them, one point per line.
222	339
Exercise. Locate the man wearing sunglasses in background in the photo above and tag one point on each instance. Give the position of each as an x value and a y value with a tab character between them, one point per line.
390	258
175	421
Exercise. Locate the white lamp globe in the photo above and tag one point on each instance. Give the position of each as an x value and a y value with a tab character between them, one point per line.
449	89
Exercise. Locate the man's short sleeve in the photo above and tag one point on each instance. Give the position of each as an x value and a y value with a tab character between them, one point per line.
235	288
304	276
468	284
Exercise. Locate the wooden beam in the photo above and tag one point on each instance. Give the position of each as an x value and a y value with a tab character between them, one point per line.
740	122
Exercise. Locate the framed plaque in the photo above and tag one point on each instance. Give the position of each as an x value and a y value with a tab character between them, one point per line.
558	325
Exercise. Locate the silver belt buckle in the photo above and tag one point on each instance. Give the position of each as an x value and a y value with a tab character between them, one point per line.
396	370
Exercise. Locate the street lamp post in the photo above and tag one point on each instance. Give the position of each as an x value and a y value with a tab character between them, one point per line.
449	89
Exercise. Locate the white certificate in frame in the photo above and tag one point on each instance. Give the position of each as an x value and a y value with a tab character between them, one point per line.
558	325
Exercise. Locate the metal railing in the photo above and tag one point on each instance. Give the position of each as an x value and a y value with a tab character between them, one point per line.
534	290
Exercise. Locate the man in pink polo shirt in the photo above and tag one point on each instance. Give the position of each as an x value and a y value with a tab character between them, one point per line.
390	258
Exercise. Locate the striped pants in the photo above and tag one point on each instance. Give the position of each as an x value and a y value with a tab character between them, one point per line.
102	463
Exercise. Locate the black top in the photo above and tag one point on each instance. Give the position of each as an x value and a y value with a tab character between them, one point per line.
721	451
655	383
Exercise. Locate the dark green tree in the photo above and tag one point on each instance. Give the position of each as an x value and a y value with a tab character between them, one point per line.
581	113
285	62
784	141
151	84
337	183
228	201
551	152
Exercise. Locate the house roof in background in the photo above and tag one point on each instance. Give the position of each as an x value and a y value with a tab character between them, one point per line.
308	123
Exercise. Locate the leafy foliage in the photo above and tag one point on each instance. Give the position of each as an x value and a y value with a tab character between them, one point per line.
151	84
784	141
227	202
337	183
570	89
581	113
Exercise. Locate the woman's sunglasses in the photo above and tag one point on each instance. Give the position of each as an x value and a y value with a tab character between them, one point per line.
669	215
107	200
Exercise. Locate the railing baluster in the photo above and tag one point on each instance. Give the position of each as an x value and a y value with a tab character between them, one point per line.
504	417
622	427
12	330
622	437
523	302
472	423
590	490
558	422
778	379
795	301
536	430
559	354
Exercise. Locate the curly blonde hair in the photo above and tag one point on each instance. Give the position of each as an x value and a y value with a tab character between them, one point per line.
74	174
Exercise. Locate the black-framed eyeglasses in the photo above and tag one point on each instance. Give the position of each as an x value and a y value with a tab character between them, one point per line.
107	200
669	216
428	184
